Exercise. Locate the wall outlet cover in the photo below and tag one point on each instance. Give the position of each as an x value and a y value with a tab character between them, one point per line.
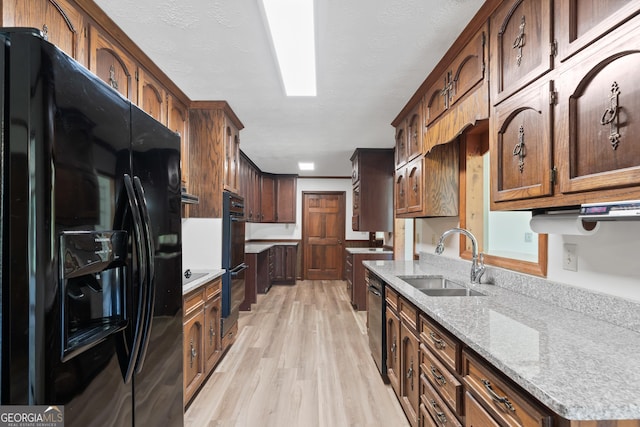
570	257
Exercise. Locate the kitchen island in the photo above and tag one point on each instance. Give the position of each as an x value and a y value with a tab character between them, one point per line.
577	366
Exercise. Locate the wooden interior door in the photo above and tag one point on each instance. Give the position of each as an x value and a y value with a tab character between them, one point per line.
323	218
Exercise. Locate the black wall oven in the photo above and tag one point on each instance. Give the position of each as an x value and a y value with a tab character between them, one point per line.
233	233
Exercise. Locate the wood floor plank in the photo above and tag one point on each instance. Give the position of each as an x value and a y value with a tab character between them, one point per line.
301	358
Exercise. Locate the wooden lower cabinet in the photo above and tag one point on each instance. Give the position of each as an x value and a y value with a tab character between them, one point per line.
409	371
504	403
476	415
202	344
193	362
393	349
285	263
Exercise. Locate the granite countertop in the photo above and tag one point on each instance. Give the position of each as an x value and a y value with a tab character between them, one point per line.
200	277
256	248
580	367
369	250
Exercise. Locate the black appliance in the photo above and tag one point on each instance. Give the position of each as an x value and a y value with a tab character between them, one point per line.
91	294
376	323
233	232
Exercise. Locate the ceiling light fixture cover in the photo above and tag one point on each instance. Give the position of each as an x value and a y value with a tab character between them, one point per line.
306	166
292	27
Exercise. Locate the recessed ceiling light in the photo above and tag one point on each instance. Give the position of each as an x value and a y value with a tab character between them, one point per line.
306	166
291	23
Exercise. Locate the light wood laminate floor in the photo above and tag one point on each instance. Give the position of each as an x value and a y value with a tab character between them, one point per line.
301	358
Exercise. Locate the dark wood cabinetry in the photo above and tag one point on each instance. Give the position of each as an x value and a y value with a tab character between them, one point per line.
250	188
409	361
354	271
202	343
152	96
278	198
213	129
285	262
59	21
372	189
521	154
267	198
393	339
113	64
522	45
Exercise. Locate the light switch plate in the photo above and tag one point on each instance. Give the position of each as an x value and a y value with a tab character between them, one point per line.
570	257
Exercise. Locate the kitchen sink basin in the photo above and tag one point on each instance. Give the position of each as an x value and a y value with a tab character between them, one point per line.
439	286
457	292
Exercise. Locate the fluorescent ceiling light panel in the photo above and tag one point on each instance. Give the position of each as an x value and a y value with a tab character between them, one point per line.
303	166
292	27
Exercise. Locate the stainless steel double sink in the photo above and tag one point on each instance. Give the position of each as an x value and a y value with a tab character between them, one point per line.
439	286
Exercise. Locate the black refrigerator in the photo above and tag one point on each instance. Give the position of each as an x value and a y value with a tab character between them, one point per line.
91	296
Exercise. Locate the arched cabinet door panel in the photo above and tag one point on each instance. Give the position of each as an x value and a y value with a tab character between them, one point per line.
152	97
521	150
111	63
599	119
59	22
580	23
521	45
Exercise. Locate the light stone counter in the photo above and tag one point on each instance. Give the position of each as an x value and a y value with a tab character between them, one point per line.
369	251
207	276
580	367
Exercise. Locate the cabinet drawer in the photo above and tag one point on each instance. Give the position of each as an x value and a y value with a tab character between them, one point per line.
508	405
392	298
213	288
441	343
440	412
476	415
408	313
193	301
441	379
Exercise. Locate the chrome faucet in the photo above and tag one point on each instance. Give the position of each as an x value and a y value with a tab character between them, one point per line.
477	262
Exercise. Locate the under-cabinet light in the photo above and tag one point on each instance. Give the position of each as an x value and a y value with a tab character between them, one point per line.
291	23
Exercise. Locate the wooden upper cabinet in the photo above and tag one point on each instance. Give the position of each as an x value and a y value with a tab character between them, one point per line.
399	191
286	198
113	65
231	158
60	23
152	97
599	116
465	72
580	23
178	121
267	198
520	145
401	145
415	186
414	133
521	44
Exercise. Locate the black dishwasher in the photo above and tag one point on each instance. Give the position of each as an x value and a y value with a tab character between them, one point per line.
376	324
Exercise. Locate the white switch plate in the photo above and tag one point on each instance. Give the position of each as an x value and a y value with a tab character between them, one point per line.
570	257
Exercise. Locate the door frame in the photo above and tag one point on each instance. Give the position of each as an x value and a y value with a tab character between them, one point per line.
303	236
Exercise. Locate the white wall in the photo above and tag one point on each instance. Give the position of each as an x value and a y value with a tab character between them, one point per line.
608	261
294	231
202	243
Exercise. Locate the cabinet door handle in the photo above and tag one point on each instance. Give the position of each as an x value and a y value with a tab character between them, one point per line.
410	374
501	400
439	414
438	376
437	341
611	114
193	354
212	333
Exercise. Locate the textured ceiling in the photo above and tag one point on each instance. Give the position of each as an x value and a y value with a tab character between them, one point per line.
372	55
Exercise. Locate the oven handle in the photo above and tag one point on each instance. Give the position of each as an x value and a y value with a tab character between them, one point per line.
236	270
237	219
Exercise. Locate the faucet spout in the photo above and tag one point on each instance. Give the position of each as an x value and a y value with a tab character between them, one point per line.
477	262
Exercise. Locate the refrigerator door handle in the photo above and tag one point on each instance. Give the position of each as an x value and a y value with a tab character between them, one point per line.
142	289
150	282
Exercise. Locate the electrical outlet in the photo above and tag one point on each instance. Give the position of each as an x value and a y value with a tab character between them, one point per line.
570	257
528	237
